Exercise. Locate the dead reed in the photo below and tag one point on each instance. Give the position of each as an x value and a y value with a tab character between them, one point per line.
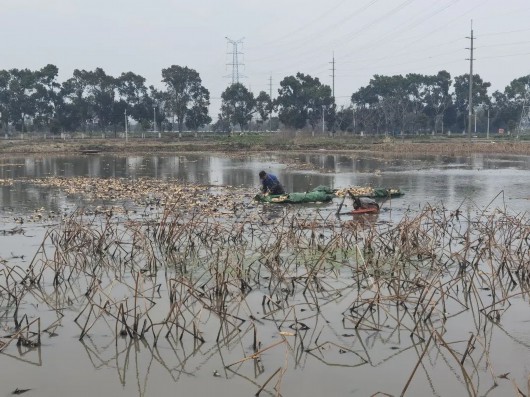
185	276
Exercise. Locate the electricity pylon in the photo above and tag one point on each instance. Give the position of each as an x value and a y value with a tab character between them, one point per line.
235	59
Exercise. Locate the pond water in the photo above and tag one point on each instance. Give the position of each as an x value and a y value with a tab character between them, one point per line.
104	365
428	179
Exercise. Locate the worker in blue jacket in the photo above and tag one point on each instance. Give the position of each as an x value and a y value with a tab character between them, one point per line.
270	184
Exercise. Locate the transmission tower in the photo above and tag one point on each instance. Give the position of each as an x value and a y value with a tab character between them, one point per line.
524	122
235	59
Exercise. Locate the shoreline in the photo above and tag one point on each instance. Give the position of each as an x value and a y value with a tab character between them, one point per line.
265	144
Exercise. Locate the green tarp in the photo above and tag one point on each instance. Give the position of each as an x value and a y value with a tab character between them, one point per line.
382	192
318	194
325	194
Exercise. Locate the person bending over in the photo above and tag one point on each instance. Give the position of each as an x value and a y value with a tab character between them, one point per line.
270	184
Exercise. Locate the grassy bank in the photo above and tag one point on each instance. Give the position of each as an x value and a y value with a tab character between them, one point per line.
451	146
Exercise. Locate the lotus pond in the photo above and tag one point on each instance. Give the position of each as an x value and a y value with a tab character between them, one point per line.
156	274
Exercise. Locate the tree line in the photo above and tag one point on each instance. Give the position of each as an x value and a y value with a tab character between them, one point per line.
93	101
434	103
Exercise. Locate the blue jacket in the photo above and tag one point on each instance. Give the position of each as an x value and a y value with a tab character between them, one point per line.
272	184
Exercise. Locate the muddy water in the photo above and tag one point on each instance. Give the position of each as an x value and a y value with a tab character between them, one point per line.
99	364
425	180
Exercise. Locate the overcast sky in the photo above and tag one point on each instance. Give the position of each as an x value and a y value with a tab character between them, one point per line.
281	37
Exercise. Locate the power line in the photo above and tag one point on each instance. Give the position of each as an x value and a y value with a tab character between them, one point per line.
413	61
406	53
302	28
405	30
505	32
504	44
345	38
368	64
400	29
309	39
340	41
506	56
430	66
445	25
308	54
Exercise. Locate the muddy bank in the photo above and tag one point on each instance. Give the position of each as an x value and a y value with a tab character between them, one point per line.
256	143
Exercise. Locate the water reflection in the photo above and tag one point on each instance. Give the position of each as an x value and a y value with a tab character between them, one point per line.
13	198
430	179
324	334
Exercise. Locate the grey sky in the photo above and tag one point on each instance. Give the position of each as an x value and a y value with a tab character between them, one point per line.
281	38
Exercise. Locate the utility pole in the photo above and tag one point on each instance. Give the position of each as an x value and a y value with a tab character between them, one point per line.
235	59
154	119
270	96
126	136
333	86
488	129
353	111
470	114
333	76
323	118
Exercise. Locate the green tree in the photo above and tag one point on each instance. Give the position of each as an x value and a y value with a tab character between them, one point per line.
221	125
411	103
93	94
238	105
506	106
517	90
384	104
75	110
46	98
103	93
197	116
21	101
438	100
263	107
133	92
185	92
517	94
366	105
159	107
5	76
461	97
67	115
301	101
344	119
